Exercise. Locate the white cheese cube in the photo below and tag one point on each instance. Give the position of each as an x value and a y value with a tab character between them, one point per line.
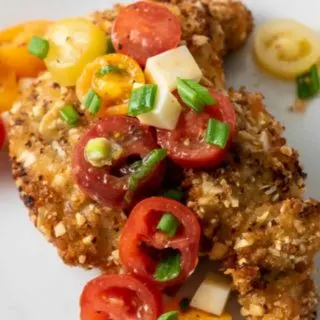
166	111
165	68
212	295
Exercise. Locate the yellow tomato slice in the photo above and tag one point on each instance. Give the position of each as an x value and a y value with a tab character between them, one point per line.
113	87
13	47
286	48
73	43
8	88
194	314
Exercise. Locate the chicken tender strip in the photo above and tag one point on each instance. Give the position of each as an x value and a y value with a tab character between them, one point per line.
251	208
41	145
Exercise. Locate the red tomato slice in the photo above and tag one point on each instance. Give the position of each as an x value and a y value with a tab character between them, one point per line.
144	29
108	184
2	134
140	232
186	143
120	297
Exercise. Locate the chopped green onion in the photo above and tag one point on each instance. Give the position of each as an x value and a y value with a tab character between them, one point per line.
38	47
174	194
184	304
149	163
308	84
98	152
69	114
110	47
110	68
171	315
217	133
168	224
194	94
92	101
142	99
168	268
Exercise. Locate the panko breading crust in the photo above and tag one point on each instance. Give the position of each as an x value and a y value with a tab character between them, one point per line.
41	144
252	211
251	208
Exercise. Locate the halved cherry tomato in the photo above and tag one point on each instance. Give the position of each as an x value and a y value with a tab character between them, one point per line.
74	42
144	29
109	184
186	143
115	297
2	134
8	88
140	236
13	47
114	87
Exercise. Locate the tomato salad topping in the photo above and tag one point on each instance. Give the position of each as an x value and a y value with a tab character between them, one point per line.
160	241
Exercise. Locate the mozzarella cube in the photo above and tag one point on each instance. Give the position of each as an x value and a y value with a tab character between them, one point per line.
166	111
212	295
165	68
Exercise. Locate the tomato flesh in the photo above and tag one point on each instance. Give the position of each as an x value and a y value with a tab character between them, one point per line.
2	134
186	144
145	29
141	231
108	184
125	297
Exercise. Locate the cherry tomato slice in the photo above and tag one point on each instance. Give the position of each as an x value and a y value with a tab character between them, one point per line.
2	134
144	29
13	47
8	88
114	87
140	232
108	184
120	297
186	143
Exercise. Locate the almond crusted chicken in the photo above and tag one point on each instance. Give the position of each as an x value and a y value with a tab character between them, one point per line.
251	210
41	144
261	229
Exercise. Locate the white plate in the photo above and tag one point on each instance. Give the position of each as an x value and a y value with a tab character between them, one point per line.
34	283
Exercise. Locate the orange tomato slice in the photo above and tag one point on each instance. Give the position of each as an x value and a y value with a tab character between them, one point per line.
14	47
8	88
114	87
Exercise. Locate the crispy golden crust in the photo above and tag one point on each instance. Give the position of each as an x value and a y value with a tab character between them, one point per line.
251	208
289	296
41	146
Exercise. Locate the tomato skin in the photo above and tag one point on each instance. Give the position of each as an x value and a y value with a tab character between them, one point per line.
101	183
191	126
145	29
113	297
141	227
2	134
13	47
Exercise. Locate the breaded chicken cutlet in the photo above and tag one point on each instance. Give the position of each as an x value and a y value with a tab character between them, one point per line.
250	207
261	229
41	144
